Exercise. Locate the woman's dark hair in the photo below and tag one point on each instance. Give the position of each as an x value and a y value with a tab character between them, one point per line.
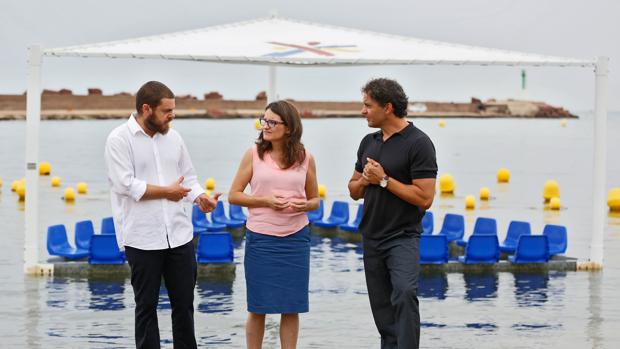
385	91
152	93
294	151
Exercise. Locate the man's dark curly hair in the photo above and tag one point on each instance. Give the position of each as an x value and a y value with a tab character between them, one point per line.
386	91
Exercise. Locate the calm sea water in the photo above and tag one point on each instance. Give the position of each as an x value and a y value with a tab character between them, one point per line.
570	310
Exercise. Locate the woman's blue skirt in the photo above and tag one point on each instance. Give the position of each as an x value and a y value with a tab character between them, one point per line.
277	272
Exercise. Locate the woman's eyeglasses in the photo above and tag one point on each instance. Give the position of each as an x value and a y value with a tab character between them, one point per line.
271	123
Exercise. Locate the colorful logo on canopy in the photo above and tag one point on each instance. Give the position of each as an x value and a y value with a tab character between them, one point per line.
286	50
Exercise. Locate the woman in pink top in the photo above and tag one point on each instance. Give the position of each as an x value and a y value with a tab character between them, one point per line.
282	177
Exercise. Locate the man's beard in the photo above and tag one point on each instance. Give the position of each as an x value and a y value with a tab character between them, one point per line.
153	126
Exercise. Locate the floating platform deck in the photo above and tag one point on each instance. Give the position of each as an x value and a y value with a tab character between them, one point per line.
61	268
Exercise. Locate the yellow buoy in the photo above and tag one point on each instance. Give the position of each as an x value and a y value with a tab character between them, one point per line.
257	124
56	181
322	190
14	185
503	175
442	123
485	193
210	183
551	189
564	122
69	194
82	188
555	203
446	183
470	202
21	190
613	199
45	168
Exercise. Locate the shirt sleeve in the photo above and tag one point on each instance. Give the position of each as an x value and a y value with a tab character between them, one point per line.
359	164
423	159
187	171
120	169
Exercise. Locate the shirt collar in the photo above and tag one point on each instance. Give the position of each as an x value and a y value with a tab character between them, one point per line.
405	132
133	125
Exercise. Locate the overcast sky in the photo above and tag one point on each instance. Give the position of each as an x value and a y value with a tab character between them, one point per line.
580	29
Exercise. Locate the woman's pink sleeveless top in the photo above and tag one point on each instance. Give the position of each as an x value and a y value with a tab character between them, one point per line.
269	179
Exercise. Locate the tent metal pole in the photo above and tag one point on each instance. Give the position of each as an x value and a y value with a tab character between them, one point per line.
33	119
600	159
273	84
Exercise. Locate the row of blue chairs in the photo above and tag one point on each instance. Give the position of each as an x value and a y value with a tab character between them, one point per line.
99	248
213	247
484	249
219	220
454	229
338	217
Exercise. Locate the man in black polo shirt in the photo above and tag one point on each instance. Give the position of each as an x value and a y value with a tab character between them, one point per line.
395	174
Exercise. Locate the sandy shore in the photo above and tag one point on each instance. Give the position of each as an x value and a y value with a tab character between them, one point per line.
93	107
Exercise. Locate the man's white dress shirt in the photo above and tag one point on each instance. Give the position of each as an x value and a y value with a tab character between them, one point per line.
134	159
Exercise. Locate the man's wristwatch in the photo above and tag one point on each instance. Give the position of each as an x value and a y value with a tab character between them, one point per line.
384	181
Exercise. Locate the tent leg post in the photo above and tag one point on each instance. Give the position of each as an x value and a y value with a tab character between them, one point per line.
33	119
272	96
600	159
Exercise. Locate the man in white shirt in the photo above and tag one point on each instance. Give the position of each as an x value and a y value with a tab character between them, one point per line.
150	172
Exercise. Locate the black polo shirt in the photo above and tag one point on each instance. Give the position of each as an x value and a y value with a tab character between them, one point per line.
405	156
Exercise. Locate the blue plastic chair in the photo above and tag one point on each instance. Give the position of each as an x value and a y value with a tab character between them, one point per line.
236	212
428	223
481	249
202	224
531	249
483	226
354	226
215	247
433	249
83	232
453	227
104	250
107	226
58	244
338	215
316	215
558	238
515	229
219	216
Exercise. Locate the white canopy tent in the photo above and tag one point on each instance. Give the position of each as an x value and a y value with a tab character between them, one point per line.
276	42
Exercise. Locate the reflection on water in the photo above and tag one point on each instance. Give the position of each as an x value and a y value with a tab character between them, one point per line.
482	326
614	218
57	292
106	295
433	285
164	301
595	318
340	246
531	289
215	297
551	216
480	286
